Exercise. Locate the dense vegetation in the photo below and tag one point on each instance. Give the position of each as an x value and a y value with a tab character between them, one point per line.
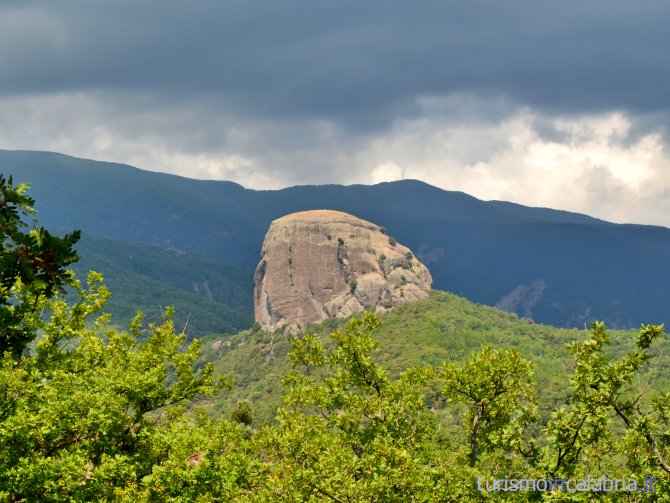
92	413
208	297
32	266
560	268
443	328
95	415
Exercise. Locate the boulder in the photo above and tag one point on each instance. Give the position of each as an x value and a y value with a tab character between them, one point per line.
321	264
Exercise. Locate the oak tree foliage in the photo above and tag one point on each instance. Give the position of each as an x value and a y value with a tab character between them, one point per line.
32	266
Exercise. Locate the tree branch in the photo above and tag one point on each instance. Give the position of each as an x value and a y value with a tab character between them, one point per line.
647	436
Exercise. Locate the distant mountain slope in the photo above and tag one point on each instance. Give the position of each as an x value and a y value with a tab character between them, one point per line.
210	296
557	267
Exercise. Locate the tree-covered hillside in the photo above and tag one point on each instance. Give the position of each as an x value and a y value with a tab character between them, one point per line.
443	328
209	297
560	268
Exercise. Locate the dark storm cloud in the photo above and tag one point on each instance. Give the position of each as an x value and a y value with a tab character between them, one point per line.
548	103
357	63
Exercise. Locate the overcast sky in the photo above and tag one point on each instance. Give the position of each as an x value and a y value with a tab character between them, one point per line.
564	104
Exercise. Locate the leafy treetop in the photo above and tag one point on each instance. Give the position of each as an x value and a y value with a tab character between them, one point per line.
32	266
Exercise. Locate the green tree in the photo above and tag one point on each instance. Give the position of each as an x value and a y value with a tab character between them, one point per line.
32	267
496	388
243	413
195	457
79	419
602	392
347	431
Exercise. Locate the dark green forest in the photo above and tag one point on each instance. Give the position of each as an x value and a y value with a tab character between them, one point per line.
435	401
208	297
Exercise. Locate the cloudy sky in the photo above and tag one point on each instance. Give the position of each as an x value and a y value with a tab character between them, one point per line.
563	104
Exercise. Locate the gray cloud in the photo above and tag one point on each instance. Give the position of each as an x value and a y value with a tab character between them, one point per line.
560	104
360	63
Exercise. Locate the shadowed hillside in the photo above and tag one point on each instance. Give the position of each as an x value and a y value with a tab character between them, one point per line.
208	297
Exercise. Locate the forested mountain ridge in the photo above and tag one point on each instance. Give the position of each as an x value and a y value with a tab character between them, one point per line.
208	297
557	267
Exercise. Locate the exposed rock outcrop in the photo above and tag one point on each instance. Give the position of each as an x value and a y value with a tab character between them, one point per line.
321	264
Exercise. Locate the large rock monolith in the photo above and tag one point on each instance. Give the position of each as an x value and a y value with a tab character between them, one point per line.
321	264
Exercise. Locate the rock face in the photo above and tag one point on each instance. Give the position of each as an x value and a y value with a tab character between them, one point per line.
322	264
